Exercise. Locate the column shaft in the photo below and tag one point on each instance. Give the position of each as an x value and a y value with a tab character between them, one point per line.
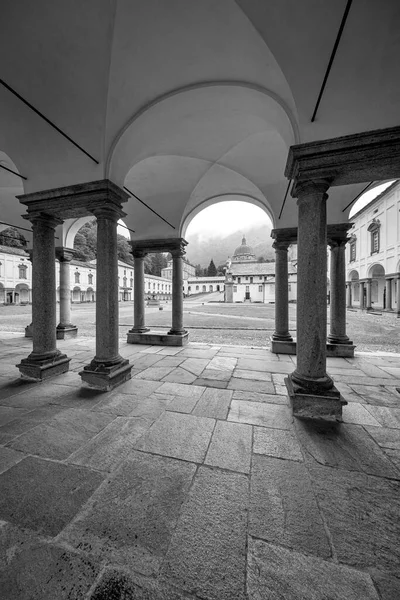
348	294
337	333
389	294
138	293
369	296
177	294
361	294
43	288
281	332
310	373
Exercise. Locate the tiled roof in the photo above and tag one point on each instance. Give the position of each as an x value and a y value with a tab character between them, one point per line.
257	268
15	251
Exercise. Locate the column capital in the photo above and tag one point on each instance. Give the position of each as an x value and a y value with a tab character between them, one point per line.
316	188
64	254
108	213
281	245
337	234
46	219
285	235
178	252
136	253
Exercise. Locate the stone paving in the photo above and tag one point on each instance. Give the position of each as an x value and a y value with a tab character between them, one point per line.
193	480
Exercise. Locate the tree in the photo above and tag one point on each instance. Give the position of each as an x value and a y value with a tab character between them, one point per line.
221	269
199	271
212	269
261	259
124	249
11	237
154	263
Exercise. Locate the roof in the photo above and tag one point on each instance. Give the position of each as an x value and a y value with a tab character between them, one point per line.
243	249
15	251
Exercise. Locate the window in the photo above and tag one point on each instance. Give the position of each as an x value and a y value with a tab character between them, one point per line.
247	278
131	282
77	277
90	279
22	271
251	280
239	279
125	272
260	288
374	229
124	280
260	278
197	288
352	251
235	288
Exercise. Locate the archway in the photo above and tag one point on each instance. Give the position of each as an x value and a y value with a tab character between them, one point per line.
355	285
22	289
378	285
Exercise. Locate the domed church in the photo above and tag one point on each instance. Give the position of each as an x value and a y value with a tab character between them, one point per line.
247	280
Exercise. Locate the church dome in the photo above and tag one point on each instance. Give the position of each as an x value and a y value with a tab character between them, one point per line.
243	249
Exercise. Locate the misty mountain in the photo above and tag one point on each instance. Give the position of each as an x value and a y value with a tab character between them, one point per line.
201	249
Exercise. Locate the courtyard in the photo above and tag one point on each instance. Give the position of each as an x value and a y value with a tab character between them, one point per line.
209	320
193	479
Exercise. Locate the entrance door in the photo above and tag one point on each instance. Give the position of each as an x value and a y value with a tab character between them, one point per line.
247	297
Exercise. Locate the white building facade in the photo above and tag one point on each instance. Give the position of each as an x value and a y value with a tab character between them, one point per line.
373	254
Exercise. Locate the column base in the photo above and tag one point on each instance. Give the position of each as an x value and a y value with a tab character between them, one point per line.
105	378
283	347
40	369
29	331
326	404
66	332
139	330
340	350
157	339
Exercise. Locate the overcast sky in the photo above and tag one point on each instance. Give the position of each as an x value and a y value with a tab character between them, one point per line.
225	218
368	197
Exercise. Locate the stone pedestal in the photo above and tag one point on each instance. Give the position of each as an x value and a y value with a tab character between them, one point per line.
310	388
65	329
177	293
281	333
139	326
45	360
108	369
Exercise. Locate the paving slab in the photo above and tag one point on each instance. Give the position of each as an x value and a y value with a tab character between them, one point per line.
363	516
207	555
63	434
171	361
118	585
180	389
137	387
247	385
154	373
213	403
40	395
252	375
144	361
388	417
29	420
357	413
376	395
10	413
179	436
195	365
277	443
385	437
343	446
388	587
222	363
216	374
56	493
283	507
200	381
263	414
266	365
9	457
277	573
259	397
36	570
230	447
113	445
179	375
394	456
130	520
183	404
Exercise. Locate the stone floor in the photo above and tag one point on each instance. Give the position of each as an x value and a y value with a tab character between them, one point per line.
192	480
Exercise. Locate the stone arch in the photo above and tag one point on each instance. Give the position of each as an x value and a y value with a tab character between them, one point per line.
376	273
22	289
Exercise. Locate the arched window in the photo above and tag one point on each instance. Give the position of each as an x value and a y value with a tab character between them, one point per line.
124	280
22	271
374	229
77	277
131	282
90	279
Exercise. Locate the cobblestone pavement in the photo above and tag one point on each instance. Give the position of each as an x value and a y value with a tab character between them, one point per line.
193	480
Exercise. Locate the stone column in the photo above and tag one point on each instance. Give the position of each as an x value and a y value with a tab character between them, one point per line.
177	293
45	360
389	294
361	294
310	388
138	293
108	368
281	332
398	293
368	284
65	329
348	294
337	244
29	328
